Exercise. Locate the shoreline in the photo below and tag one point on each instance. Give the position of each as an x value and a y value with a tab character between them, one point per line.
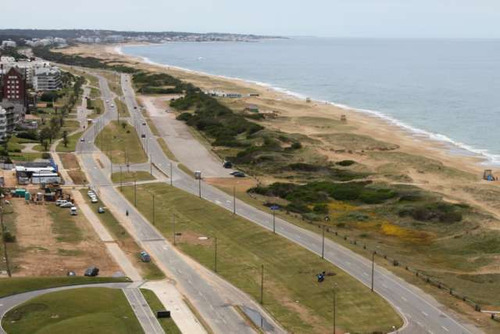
455	148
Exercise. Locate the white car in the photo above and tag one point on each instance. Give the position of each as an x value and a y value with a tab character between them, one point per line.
90	193
73	211
94	200
66	205
59	202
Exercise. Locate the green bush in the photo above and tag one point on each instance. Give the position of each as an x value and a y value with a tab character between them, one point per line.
321	208
346	163
376	196
9	237
440	211
45	155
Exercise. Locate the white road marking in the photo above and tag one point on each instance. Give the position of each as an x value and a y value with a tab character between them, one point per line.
404	299
424	313
366	274
446	329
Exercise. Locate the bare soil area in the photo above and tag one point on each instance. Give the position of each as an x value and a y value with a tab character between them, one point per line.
42	254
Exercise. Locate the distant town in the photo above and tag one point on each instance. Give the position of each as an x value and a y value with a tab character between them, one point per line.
62	38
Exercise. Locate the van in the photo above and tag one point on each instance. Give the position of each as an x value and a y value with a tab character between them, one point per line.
59	202
73	211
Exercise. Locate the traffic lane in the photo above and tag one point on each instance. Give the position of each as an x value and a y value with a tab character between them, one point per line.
143	311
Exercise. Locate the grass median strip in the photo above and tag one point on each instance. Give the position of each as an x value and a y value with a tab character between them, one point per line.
291	294
84	310
120	142
155	304
13	286
149	270
131	176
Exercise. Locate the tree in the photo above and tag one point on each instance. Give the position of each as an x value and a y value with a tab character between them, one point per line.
45	134
65	138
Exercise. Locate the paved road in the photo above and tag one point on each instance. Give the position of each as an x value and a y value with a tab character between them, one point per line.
142	311
421	312
179	138
7	303
212	296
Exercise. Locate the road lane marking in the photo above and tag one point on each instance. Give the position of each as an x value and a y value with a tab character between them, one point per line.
446	329
424	313
404	299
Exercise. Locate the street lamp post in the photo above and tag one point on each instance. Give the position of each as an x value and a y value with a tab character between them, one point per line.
373	269
135	192
153	209
262	285
234	200
171	174
199	187
323	243
215	254
173	226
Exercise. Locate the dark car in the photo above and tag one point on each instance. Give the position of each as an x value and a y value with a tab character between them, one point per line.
71	273
92	271
227	164
143	136
145	257
238	174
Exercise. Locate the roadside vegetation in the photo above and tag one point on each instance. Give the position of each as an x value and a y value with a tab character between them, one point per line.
292	294
155	304
84	310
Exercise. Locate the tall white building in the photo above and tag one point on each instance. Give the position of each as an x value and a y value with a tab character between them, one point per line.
47	78
7	120
8	44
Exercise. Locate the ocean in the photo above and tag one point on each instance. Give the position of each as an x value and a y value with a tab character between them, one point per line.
447	90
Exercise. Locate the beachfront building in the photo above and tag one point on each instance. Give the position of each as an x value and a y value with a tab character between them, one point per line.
47	78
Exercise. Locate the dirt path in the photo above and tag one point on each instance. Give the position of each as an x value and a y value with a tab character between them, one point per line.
28	148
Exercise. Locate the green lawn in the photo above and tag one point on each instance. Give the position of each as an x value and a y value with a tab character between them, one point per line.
292	294
166	150
155	304
131	176
85	310
15	285
72	141
149	269
121	144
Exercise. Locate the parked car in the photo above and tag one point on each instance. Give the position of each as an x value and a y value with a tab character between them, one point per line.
143	135
61	201
227	164
94	200
145	257
70	273
100	210
92	271
82	140
66	205
143	123
238	174
73	211
90	193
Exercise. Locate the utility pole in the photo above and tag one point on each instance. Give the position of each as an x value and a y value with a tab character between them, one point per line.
153	209
199	187
173	226
171	174
215	254
234	200
262	286
5	254
334	309
373	269
274	221
121	179
323	243
135	193
151	165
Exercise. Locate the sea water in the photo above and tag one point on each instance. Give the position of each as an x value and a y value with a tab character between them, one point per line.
448	90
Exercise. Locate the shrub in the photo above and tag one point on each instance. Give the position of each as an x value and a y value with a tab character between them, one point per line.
296	146
298	207
346	163
376	196
45	155
9	237
321	208
30	134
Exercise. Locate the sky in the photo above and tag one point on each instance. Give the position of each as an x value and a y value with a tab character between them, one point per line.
322	18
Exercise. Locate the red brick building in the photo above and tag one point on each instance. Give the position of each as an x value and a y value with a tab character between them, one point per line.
14	87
